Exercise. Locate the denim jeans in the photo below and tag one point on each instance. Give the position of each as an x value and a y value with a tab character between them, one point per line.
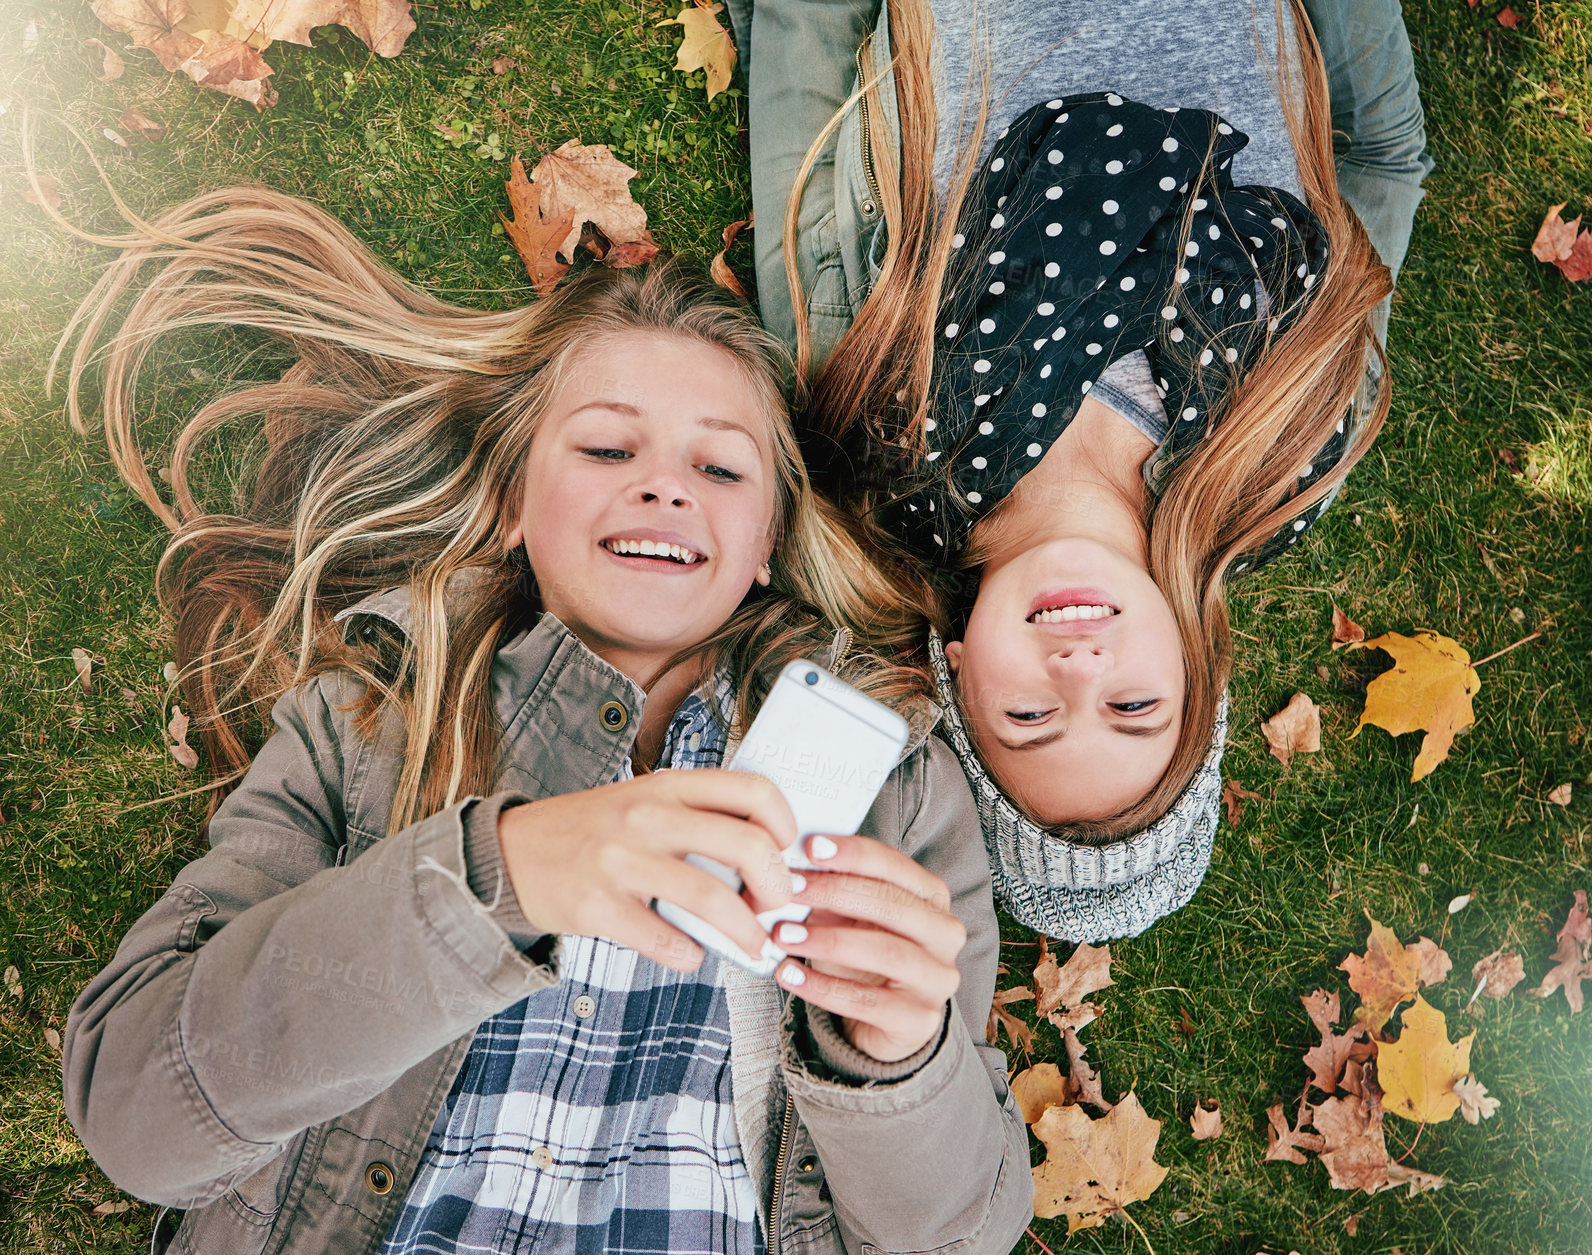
801	64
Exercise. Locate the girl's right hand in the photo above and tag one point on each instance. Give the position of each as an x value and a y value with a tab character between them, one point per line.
589	863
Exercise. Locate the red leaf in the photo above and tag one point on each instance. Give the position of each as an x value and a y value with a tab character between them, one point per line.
1509	18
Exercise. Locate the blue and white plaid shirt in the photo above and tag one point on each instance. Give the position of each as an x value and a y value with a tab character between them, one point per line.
596	1115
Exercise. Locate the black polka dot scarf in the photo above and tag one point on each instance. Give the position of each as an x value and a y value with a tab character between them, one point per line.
1072	253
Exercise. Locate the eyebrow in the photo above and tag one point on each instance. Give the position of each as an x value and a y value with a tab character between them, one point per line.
1126	729
630	411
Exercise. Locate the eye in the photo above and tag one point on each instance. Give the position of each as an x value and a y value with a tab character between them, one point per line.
1027	716
606	455
720	473
1134	708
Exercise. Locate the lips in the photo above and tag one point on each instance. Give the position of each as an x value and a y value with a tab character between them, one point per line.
655	549
1073	605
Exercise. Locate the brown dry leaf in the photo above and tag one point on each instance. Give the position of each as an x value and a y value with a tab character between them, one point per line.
136	122
52	1039
1080	1016
1322	1008
1234	795
177	729
1039	1087
1475	1103
1285	1144
1083	1081
536	237
1354	1151
1345	631
112	67
1419	1182
1501	972
47	194
720	269
587	183
1508	17
1021	1035
1295	729
1428	687
1435	963
1087	971
705	45
1206	1121
83	664
114	1208
1560	796
1570	956
502	64
1560	244
1094	1168
1335	1053
1384	976
1417	1072
12	980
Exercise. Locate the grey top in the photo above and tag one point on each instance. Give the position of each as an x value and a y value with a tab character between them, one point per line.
1208	54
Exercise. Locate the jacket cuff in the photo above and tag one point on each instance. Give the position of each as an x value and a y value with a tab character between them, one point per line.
838	1060
489	880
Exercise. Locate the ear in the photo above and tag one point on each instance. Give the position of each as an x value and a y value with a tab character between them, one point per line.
953	655
764	575
515	537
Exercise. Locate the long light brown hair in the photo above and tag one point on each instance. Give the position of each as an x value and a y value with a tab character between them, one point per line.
390	453
1226	496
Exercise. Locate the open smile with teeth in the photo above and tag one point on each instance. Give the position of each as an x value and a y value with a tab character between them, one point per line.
1067	614
653	549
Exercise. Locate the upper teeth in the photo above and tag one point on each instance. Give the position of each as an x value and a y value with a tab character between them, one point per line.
653	549
1065	614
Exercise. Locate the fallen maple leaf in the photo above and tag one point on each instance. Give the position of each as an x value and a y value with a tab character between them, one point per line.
1560	796
1322	1008
1328	1060
1561	244
1234	795
177	729
1286	1145
1570	956
1083	1081
720	269
1429	687
83	664
1435	963
1475	1103
136	122
1095	1168
1345	631
587	183
1039	1087
1021	1035
1417	1072
1509	18
112	67
1080	1016
1419	1182
536	236
1088	970
1206	1122
1384	976
705	45
1354	1151
1295	729
1498	973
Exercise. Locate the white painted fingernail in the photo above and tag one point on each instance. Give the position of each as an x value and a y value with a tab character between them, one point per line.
772	953
792	974
821	847
790	934
798	882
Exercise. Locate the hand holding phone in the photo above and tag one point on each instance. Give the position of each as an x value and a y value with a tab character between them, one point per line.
830	749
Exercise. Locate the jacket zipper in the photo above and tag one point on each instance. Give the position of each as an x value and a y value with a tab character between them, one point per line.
862	118
779	1176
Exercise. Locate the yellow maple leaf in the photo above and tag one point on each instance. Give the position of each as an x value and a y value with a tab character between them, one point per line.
1095	1167
705	45
1429	687
1418	1072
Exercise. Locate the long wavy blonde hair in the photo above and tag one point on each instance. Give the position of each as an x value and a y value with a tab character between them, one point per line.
390	453
1225	497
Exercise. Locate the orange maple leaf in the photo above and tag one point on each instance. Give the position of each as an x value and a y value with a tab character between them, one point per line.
1428	687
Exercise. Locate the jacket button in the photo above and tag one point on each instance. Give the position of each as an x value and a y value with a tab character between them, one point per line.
379	1177
868	209
585	1005
614	716
542	1158
807	1164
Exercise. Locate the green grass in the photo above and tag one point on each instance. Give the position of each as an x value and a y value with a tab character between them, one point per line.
1469	518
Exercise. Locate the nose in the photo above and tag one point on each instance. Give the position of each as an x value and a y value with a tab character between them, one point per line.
658	482
1079	660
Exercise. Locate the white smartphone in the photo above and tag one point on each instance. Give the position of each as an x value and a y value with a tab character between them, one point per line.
830	749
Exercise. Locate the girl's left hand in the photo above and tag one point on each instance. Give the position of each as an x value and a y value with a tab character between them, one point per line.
881	945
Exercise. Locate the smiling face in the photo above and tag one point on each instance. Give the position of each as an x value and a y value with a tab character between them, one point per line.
649	497
1071	675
